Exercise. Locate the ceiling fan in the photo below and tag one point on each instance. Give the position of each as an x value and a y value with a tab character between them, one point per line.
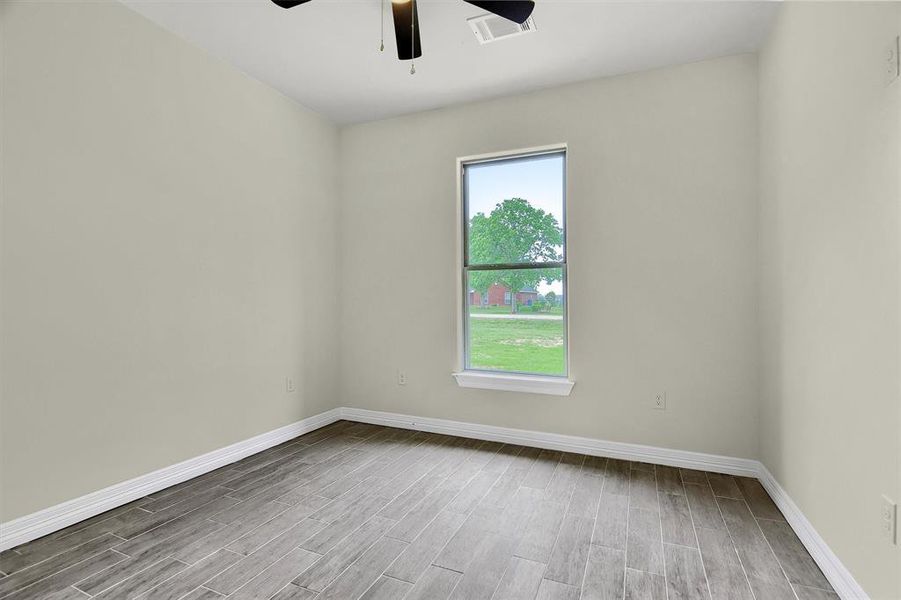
406	19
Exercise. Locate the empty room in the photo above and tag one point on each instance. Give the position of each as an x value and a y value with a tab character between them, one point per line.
450	300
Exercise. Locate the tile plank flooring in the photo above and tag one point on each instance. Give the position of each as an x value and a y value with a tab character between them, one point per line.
359	511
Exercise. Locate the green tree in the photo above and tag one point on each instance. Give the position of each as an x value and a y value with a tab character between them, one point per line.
551	299
515	232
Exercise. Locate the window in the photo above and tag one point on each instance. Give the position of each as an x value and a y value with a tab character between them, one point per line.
514	260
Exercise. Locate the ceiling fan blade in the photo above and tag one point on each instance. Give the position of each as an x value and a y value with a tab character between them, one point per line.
290	3
406	29
515	10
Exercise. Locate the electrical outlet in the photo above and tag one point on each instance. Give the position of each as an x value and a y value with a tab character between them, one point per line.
893	60
289	385
889	521
660	401
401	377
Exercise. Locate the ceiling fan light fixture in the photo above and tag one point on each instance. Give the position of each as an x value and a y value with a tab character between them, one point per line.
406	29
406	20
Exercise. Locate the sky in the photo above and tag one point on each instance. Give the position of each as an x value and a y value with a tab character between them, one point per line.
537	179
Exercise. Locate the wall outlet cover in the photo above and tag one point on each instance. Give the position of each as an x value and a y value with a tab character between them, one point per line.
889	520
893	60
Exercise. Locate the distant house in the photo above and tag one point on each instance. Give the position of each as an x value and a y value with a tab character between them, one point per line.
499	295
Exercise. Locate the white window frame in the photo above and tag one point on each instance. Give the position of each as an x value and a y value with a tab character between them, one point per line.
505	380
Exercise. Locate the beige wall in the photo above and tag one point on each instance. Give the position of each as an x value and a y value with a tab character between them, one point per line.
168	253
829	226
172	240
663	253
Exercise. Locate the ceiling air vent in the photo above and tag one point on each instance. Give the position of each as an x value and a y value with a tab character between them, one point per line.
491	28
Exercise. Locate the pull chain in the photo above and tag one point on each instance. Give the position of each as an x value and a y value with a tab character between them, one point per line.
382	23
413	38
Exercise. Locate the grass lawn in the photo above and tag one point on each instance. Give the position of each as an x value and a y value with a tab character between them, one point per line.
526	345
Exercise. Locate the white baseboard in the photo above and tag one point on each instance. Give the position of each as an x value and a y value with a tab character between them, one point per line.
839	577
556	441
41	523
29	527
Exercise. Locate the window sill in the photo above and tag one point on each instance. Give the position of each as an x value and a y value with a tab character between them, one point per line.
510	382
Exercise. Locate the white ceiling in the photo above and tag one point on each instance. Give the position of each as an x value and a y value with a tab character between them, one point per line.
325	54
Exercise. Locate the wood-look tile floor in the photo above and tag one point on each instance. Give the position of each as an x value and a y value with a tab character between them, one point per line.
358	511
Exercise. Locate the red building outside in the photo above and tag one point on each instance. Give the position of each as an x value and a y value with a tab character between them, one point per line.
499	295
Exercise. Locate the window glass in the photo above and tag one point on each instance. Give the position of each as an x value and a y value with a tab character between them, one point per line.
529	337
526	194
515	264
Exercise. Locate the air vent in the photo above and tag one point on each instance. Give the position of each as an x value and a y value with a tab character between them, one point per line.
491	28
